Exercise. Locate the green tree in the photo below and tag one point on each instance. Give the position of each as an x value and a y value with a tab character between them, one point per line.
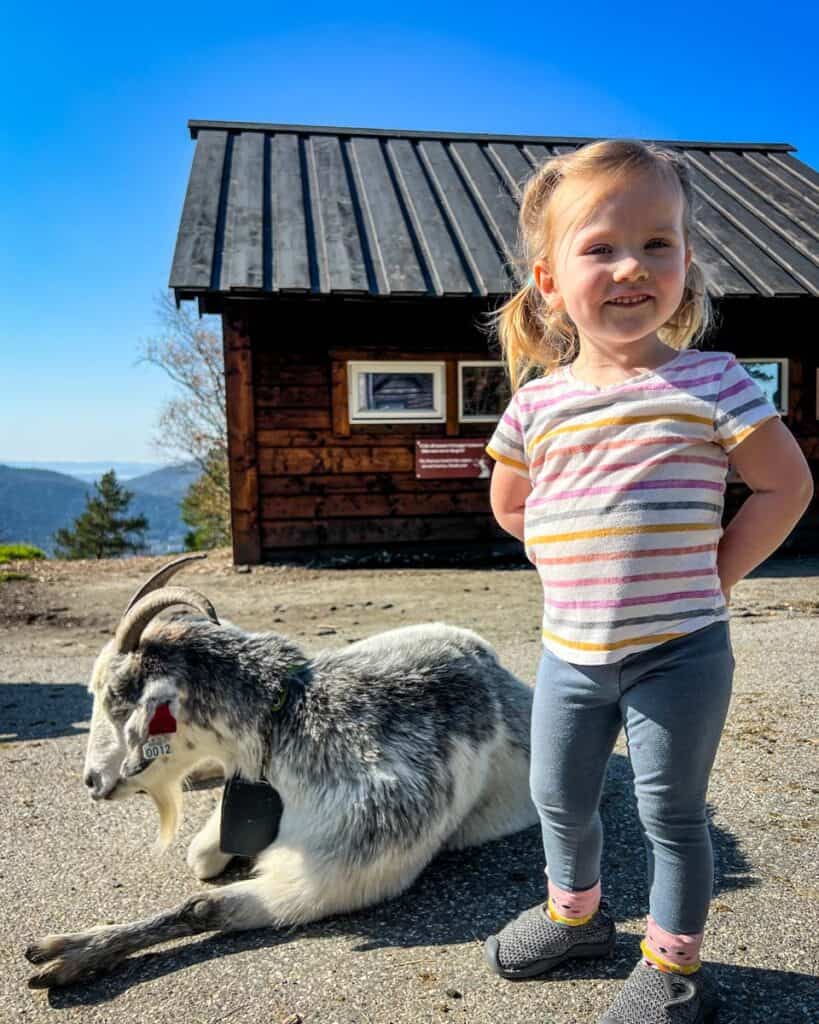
206	505
102	531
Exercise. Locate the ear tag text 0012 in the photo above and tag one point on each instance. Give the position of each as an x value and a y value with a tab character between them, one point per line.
251	812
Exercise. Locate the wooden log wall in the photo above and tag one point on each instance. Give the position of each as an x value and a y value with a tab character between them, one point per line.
241	430
326	483
303	478
780	328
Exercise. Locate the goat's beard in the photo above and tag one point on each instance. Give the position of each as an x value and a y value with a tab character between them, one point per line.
167	796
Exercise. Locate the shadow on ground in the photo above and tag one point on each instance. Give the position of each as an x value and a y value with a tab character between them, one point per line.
466	895
35	711
782	566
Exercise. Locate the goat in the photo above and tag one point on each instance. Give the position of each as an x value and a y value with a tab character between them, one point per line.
384	753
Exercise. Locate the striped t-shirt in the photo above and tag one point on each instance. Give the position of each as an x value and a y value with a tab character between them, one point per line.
628	482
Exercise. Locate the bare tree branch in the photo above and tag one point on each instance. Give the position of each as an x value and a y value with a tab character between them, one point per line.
193	424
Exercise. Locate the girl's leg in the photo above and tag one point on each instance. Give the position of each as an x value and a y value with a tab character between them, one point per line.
674	703
575	722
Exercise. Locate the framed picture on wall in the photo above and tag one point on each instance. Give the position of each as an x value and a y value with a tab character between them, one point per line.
483	391
772	376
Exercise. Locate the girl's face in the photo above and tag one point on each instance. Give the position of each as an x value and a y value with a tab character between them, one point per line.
631	245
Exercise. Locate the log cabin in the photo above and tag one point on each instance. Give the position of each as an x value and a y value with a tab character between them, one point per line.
353	270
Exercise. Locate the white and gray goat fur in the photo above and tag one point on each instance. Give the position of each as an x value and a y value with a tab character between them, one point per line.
384	753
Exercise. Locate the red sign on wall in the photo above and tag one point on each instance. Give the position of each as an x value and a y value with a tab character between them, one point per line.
437	458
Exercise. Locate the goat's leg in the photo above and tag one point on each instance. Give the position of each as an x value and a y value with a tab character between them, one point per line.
504	807
291	888
205	858
80	955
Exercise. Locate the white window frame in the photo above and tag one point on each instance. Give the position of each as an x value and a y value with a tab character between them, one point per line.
438	370
474	419
783	377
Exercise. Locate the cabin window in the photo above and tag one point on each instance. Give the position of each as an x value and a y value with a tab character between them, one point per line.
385	392
772	376
483	391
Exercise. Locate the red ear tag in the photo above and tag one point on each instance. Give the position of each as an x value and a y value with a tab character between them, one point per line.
162	721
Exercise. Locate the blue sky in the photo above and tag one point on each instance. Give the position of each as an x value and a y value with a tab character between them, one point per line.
95	151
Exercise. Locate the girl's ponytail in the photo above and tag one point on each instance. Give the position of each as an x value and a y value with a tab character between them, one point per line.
532	337
694	317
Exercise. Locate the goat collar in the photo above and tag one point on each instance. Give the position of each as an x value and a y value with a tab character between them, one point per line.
291	675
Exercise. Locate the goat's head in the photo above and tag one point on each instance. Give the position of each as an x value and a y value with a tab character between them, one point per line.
131	747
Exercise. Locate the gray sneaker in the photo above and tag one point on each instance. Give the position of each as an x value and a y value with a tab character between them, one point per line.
533	943
650	996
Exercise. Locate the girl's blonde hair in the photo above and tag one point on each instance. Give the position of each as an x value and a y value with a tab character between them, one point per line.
533	337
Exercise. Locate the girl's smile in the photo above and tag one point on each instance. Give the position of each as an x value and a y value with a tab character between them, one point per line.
630	300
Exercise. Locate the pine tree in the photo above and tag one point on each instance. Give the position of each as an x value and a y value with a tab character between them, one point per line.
102	529
206	506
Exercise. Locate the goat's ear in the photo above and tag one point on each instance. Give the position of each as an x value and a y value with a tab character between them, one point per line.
155	714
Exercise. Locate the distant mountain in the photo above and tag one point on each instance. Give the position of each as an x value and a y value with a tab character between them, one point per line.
90	471
34	503
168	482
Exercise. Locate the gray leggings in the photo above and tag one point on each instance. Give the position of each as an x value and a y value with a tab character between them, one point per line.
672	701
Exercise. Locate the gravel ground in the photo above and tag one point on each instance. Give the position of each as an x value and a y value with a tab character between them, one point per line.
67	864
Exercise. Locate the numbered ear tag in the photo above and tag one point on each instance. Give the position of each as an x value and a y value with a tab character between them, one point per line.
155	748
162	721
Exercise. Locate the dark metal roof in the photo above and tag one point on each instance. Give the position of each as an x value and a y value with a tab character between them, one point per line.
301	209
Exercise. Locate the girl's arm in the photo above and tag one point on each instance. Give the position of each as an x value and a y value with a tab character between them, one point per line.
772	464
508	492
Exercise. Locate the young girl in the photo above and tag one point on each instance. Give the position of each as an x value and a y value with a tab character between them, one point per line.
610	466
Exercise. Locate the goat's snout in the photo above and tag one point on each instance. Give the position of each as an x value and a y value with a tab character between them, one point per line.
94	784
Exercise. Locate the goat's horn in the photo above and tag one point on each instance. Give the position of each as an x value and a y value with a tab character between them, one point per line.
134	622
160	578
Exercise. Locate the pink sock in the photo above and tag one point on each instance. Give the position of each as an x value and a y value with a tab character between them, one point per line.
669	952
573	907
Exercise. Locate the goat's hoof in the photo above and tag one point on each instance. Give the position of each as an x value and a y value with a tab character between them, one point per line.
44	950
66	966
42	979
58	973
35	954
